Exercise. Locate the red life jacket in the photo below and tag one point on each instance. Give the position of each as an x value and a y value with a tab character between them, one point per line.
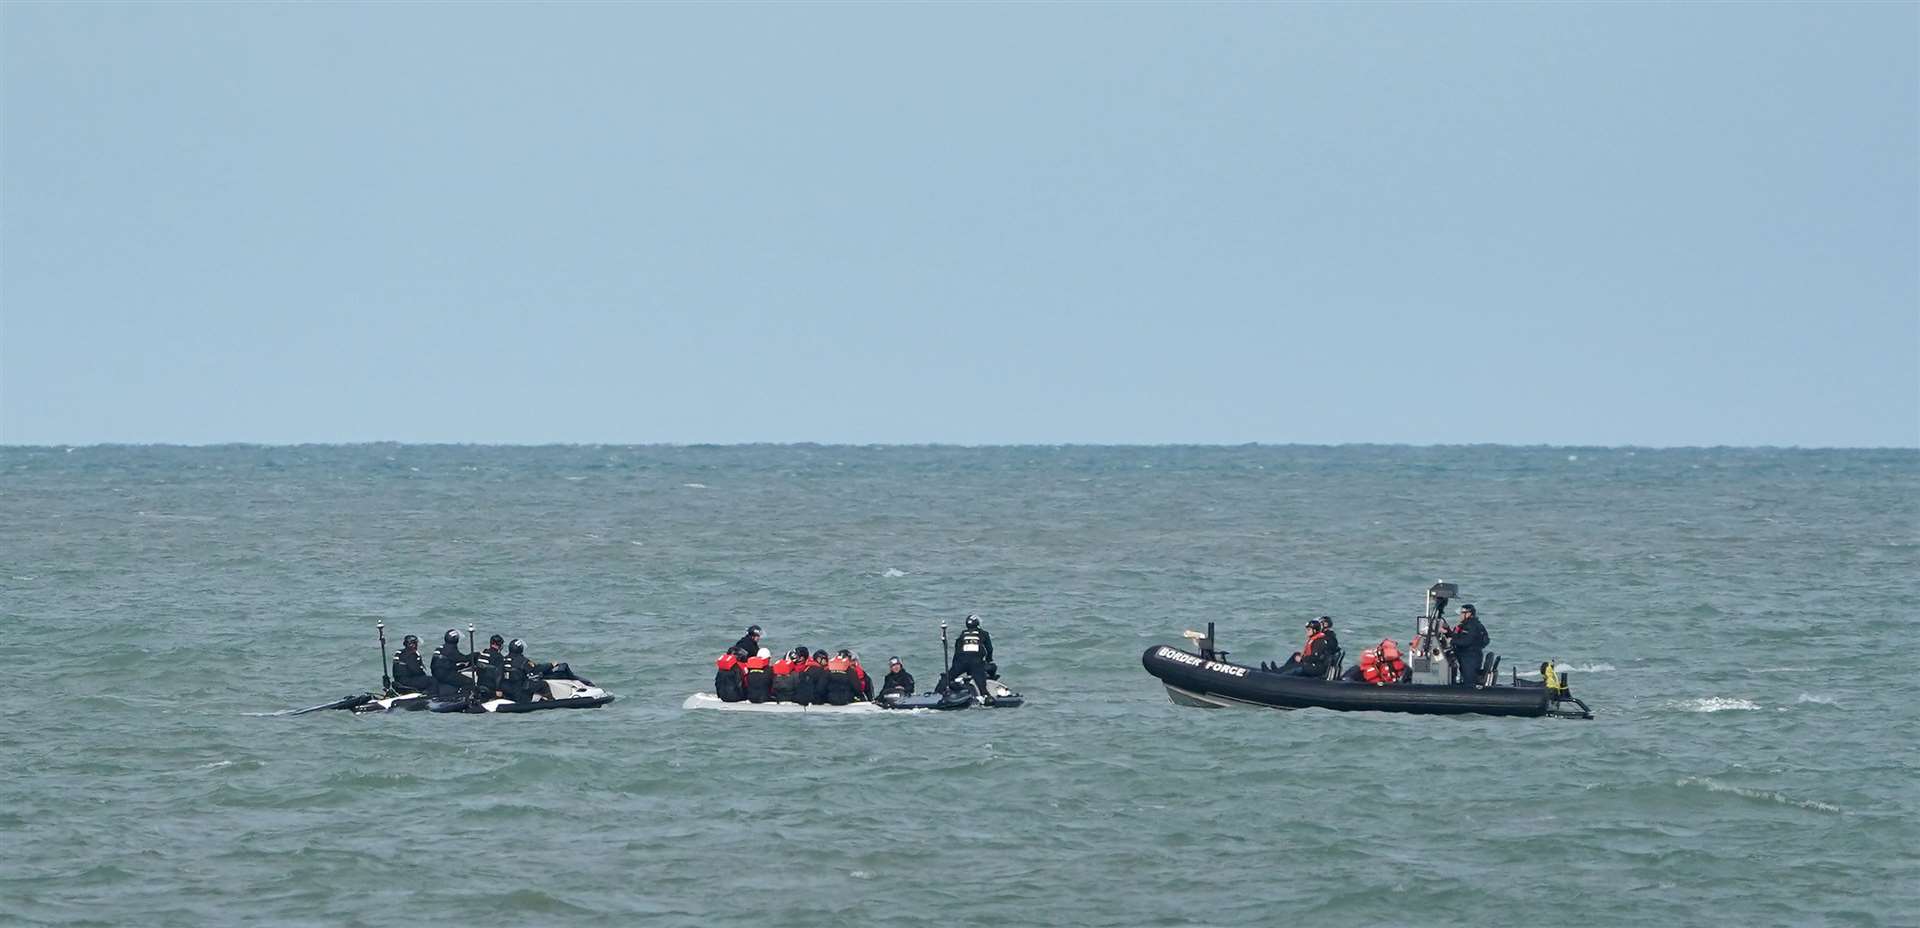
758	663
782	667
1307	649
860	674
728	661
838	664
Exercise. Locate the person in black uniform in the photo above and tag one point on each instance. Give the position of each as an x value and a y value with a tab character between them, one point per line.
488	664
447	663
972	652
1318	655
898	680
1469	640
749	643
409	674
518	678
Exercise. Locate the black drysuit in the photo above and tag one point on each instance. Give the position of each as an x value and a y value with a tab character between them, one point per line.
972	652
447	664
409	674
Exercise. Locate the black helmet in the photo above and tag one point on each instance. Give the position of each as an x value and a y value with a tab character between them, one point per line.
1326	621
410	641
496	639
453	636
845	653
517	646
820	655
753	629
973	621
1467	609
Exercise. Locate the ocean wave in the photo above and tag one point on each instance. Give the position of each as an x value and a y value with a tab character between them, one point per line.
1784	670
694	486
1715	786
1719	704
1596	667
891	572
1817	698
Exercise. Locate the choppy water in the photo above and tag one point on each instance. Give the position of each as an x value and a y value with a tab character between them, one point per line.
1742	621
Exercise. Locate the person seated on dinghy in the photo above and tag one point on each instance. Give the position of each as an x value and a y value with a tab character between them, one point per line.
448	662
865	690
1292	667
898	680
759	674
841	686
1317	656
784	678
409	674
729	678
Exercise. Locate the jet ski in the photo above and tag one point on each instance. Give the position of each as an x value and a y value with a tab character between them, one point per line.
553	693
558	694
960	696
1204	678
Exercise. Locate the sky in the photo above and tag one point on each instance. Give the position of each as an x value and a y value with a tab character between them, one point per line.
1606	224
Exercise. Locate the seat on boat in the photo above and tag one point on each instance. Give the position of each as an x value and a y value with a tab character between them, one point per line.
1333	666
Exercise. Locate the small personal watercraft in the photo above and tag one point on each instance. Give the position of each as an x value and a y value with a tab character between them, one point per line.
1204	678
549	693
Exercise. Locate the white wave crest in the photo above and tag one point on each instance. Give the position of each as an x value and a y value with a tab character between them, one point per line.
1718	787
1817	698
1784	670
1596	667
694	486
1719	704
894	573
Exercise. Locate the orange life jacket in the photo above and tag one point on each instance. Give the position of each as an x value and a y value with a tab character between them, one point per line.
728	661
838	665
1307	649
782	667
758	663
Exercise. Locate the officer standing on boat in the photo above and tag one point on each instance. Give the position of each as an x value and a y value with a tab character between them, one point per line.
1469	640
409	674
749	643
972	652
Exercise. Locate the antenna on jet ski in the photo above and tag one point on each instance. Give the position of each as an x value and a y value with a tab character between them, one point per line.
386	679
946	663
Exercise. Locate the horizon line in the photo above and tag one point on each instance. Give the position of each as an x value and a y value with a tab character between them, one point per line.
75	446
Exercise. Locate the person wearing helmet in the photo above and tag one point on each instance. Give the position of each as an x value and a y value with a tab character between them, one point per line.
409	673
518	678
749	643
863	684
1316	657
783	678
972	652
759	671
813	680
1469	641
842	688
488	664
448	662
898	680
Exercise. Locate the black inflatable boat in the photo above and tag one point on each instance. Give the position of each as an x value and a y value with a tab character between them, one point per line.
1205	678
1193	680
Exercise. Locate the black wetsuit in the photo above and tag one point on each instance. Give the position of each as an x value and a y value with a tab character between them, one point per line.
447	664
972	652
1319	656
746	646
901	682
518	678
486	669
409	674
1469	649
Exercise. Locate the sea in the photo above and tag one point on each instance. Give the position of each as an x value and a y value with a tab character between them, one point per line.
1742	621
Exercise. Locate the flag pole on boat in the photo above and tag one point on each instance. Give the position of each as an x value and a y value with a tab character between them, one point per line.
386	679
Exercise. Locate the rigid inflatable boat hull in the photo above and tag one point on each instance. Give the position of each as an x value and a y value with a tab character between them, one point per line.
1192	680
